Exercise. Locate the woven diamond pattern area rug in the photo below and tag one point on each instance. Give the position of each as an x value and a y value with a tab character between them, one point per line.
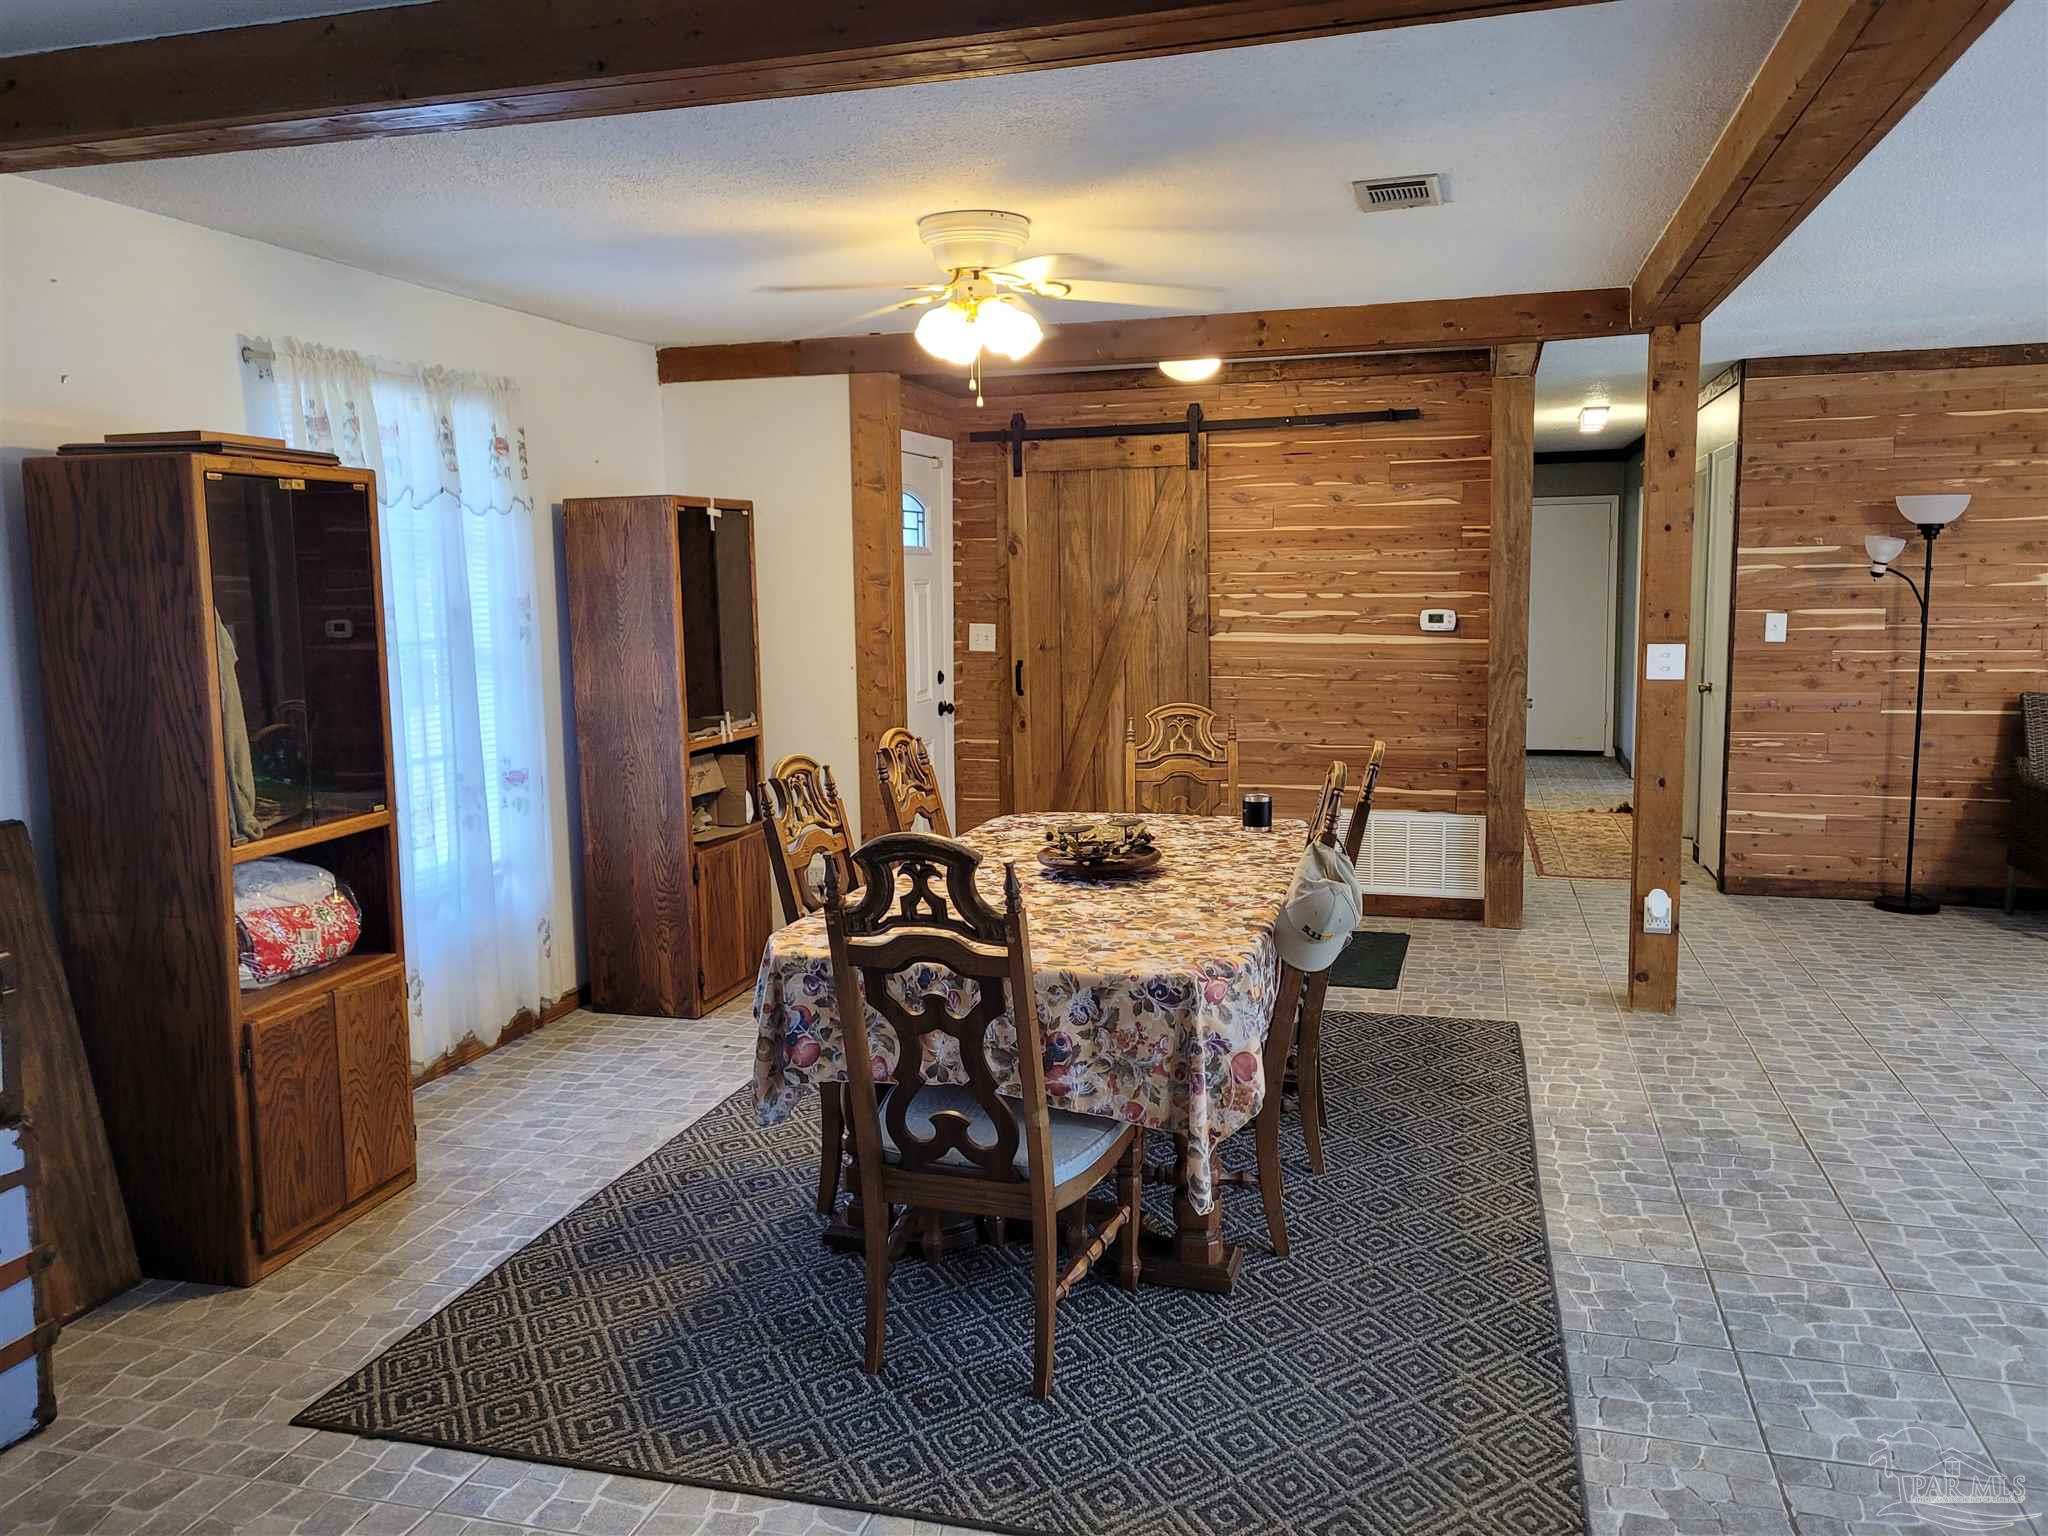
1403	1371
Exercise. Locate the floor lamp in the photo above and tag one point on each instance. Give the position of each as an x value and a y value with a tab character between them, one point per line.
1930	514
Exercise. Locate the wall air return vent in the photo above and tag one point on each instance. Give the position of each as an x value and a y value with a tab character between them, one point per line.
1392	192
1423	853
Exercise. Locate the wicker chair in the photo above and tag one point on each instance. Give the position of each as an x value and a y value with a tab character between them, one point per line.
2028	852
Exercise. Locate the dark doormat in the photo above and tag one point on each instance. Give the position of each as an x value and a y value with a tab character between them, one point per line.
1371	960
1402	1372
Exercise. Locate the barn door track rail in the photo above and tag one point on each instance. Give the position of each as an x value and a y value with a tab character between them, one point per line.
1021	432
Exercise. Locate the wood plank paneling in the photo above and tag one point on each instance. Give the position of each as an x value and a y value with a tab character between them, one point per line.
881	690
1325	544
1821	727
1664	618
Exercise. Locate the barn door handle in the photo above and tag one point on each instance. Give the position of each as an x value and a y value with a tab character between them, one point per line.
1020	679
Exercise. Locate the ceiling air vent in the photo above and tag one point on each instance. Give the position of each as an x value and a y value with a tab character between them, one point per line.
1393	192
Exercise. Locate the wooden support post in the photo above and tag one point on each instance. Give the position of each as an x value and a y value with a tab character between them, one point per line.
881	700
1669	443
1507	651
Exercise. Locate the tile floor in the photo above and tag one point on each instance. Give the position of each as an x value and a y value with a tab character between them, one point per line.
1804	1213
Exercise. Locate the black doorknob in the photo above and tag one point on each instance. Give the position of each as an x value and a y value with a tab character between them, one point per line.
946	707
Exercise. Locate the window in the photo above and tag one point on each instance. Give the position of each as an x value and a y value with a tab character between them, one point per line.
916	524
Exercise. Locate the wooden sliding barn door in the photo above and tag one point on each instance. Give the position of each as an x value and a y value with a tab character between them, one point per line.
1108	555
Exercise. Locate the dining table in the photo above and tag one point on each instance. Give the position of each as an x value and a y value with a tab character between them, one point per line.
1157	995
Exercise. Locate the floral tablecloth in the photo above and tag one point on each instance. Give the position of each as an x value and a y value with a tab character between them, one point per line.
1155	995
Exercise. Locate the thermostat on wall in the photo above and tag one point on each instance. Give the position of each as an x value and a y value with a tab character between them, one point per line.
1439	620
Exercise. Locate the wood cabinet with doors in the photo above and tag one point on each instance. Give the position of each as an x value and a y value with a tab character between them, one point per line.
668	744
210	611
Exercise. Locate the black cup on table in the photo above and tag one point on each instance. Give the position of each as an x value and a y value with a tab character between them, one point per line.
1258	812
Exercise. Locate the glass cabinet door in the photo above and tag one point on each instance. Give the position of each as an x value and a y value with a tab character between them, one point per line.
716	546
295	635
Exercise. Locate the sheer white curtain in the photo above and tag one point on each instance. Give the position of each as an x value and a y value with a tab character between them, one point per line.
468	742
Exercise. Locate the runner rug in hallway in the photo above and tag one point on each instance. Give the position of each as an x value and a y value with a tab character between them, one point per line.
1582	845
1403	1371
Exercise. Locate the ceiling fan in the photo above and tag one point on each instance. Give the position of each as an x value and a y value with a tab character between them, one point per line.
982	306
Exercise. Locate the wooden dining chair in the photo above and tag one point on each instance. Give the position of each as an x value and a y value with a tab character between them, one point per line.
1181	767
1322	826
806	821
1308	1070
910	788
964	1147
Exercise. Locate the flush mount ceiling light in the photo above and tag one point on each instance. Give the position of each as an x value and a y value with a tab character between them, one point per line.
1191	370
1593	418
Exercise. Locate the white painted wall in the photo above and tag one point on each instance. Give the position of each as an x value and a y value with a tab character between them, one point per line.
116	320
786	445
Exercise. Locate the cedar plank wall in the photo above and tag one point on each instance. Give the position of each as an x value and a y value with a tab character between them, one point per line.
1821	728
1324	545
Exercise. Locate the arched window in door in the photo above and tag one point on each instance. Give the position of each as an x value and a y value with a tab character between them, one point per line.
917	532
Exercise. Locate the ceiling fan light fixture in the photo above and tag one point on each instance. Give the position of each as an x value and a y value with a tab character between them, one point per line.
1191	370
1007	328
948	332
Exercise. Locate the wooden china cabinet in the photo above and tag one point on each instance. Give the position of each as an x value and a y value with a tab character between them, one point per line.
668	742
247	1122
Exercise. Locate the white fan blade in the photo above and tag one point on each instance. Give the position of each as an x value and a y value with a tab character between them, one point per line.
1033	269
1087	290
847	287
889	309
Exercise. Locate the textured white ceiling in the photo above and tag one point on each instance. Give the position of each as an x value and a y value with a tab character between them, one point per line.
30	26
1938	239
1565	138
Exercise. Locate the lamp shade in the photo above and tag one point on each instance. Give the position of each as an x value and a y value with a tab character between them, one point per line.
1923	510
1883	549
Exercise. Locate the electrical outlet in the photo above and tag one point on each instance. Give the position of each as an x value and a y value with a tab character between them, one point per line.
1657	911
1775	627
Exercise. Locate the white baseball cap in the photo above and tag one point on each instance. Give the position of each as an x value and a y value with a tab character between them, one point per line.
1322	909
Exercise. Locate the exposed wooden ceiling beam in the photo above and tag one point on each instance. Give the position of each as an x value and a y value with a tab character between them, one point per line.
475	63
1267	333
1840	75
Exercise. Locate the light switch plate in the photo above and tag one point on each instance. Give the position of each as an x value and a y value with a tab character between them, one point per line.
981	637
1664	663
1774	628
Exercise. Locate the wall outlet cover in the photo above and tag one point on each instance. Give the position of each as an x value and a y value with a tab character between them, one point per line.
1775	626
1657	912
981	637
1664	663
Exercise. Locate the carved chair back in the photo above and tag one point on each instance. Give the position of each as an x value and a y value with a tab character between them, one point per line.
1322	826
1361	813
910	788
805	820
920	917
1181	767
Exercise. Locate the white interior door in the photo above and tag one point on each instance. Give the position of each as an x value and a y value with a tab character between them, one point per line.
1571	623
1711	672
928	598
